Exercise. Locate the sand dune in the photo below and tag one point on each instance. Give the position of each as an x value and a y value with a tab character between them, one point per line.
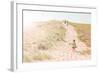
53	41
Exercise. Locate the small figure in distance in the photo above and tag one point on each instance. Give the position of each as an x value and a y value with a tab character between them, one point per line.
65	23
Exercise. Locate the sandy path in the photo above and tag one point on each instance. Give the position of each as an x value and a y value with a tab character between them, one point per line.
66	52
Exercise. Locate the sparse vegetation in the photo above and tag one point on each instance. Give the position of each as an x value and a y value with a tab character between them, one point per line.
48	42
54	32
37	55
41	56
84	32
27	57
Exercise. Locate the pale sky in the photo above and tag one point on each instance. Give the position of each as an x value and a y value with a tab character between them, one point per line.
34	16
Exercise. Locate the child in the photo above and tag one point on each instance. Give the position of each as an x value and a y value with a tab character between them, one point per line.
74	45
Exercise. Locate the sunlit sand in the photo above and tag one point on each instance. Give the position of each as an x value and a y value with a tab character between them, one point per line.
52	40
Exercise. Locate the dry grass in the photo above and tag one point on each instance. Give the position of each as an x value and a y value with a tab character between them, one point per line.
84	32
36	55
40	56
51	33
37	44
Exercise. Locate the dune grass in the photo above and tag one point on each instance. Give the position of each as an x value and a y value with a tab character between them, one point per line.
50	34
84	32
41	56
54	32
36	56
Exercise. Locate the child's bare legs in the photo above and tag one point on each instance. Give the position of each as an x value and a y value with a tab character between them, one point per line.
73	49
